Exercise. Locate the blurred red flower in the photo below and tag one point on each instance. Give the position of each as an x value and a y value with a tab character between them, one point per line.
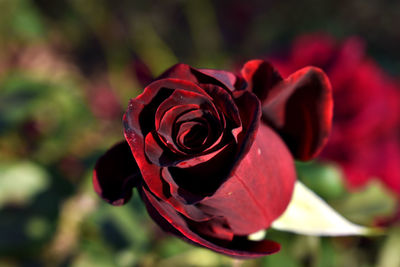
365	137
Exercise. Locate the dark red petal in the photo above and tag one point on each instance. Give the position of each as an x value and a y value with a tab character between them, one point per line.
261	77
115	174
204	174
225	104
158	154
259	190
250	114
171	221
300	110
151	91
201	76
182	97
179	71
189	188
225	77
216	228
175	110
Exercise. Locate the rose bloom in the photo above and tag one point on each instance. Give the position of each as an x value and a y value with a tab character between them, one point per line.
365	137
211	152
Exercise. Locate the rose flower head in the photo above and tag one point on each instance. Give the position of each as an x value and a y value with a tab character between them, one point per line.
211	152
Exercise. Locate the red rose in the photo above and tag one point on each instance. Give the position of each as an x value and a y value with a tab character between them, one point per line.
365	134
207	168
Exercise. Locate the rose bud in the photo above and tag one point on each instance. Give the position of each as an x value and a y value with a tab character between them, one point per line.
211	152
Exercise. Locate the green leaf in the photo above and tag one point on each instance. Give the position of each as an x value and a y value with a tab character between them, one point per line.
308	214
325	179
372	202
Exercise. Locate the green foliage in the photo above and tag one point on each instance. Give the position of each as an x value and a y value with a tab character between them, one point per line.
324	179
364	206
21	181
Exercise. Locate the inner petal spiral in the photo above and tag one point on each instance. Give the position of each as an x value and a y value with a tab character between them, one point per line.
192	135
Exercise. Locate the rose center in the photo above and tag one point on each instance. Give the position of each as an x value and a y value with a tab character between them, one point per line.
192	135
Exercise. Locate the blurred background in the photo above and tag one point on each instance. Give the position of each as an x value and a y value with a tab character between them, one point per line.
68	69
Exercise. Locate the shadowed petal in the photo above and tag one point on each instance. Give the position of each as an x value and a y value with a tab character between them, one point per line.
260	76
179	71
171	221
185	72
225	77
115	174
250	114
300	110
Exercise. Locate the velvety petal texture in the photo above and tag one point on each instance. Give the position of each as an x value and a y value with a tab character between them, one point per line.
299	107
115	174
238	246
211	171
261	77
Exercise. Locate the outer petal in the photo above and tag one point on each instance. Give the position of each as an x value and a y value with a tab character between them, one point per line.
217	77
250	114
300	110
259	190
225	77
261	77
179	71
115	174
171	221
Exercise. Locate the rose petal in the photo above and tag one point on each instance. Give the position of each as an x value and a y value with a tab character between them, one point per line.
169	220
205	76
259	190
225	77
179	71
300	110
250	114
115	174
261	77
225	103
157	154
215	228
204	174
189	186
175	110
